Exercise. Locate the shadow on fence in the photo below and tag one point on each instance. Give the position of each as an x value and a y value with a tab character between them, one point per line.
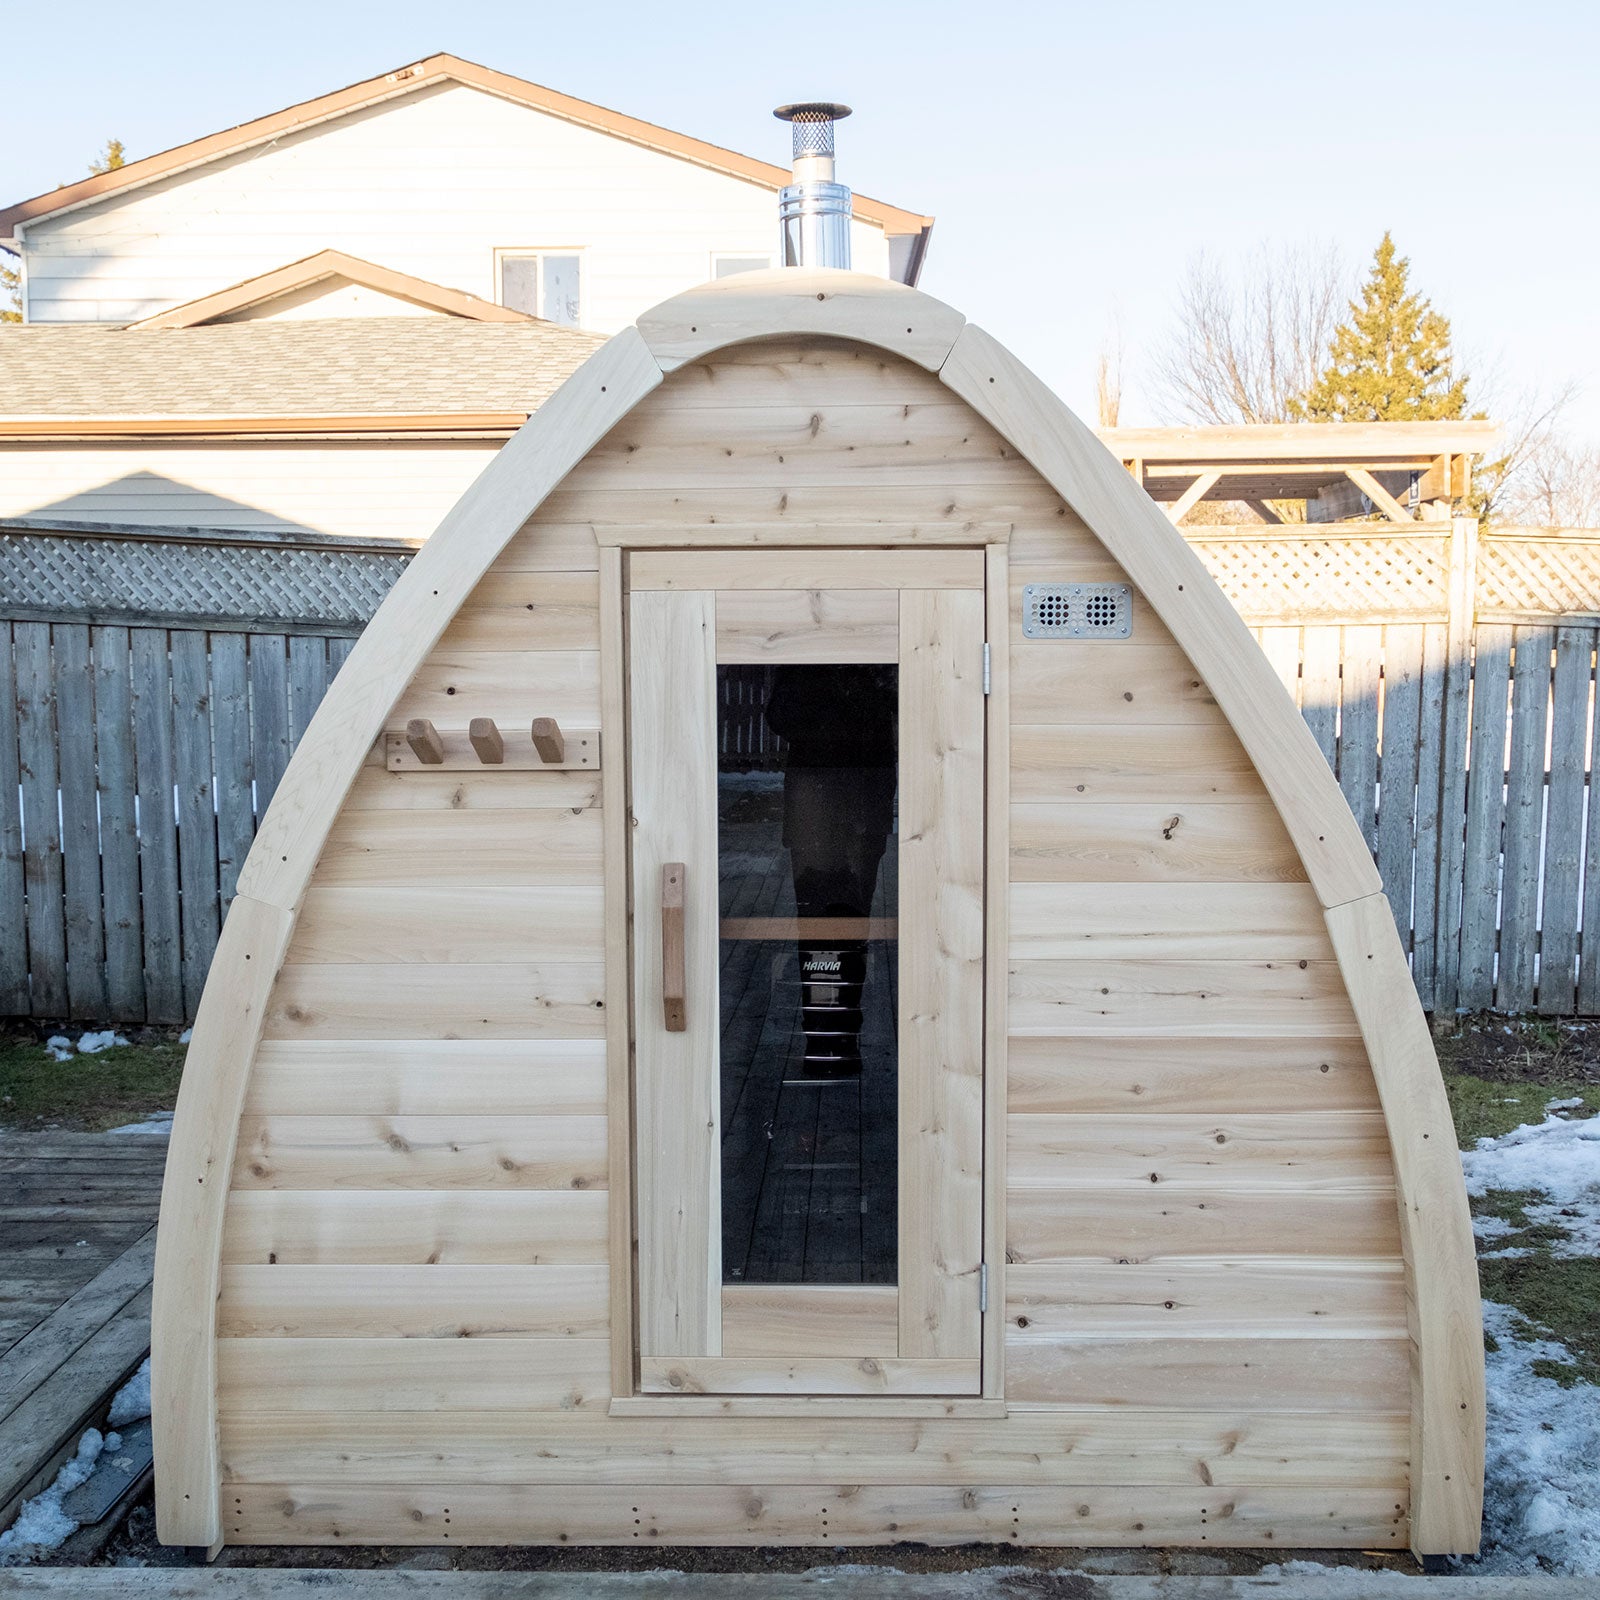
144	728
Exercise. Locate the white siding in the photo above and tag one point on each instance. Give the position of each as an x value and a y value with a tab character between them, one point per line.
431	184
372	490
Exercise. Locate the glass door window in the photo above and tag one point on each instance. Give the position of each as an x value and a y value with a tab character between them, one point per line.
807	768
806	775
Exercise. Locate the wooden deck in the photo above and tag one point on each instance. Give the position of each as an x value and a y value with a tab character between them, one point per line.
77	1249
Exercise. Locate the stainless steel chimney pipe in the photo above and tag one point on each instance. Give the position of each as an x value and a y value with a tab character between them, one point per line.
814	211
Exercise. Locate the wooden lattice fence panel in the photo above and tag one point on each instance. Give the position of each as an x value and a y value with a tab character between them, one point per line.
1541	572
1275	574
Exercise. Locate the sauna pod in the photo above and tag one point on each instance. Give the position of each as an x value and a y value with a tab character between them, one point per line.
915	1049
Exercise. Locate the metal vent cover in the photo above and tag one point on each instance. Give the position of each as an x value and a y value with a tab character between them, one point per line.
1077	611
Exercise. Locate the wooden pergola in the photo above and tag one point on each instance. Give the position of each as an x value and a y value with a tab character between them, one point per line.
1406	471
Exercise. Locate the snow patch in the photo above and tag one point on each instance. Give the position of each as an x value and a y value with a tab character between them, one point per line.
158	1122
41	1525
131	1402
1541	1510
1560	1158
186	1036
91	1044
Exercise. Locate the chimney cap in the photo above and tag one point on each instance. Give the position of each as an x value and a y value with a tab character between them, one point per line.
812	111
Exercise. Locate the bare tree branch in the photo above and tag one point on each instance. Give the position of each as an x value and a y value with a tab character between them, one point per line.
1252	338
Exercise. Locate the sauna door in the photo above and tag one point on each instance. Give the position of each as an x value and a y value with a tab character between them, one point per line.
806	780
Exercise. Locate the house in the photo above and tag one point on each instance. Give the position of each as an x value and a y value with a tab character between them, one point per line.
445	170
328	319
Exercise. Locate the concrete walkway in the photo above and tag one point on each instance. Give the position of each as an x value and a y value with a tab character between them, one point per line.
839	1583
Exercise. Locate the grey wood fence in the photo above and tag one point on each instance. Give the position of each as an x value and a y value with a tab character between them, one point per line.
153	684
1450	681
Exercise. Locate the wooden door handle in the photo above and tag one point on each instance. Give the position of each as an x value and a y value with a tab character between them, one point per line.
674	1010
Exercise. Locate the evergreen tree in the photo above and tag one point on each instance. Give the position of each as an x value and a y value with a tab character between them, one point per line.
109	159
1391	361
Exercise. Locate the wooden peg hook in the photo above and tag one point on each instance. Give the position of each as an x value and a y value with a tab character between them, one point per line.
426	745
548	739
486	741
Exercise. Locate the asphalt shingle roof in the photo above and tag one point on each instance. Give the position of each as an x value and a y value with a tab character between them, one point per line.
312	367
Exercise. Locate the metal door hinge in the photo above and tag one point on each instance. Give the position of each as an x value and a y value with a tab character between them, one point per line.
983	1287
986	669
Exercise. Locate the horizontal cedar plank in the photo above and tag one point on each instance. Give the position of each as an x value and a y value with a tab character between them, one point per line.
546	543
825	1319
768	372
512	686
768	570
1179	998
455	923
1097	842
335	1509
884	444
1144	1221
1211	1374
491	1151
1293	1151
1109	684
461	849
418	1227
904	418
413	1374
1196	1075
855	505
1166	921
557	1000
431	1302
378	789
1173	764
1266	1297
428	1077
1179	1448
801	625
527	611
1044	542
857	1375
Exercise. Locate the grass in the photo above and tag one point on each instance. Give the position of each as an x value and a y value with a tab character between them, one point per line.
122	1084
1484	1110
1555	1297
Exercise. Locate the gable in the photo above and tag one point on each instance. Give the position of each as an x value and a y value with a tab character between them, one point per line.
330	284
405	81
437	184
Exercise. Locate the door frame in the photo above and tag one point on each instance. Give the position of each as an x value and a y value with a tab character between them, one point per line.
618	550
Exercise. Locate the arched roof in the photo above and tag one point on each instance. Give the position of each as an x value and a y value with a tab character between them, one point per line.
1436	1231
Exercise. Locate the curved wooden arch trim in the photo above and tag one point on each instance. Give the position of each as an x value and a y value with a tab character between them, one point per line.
1447	1415
1443	1313
790	300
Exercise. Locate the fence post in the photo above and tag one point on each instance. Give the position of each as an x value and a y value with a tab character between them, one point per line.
1450	835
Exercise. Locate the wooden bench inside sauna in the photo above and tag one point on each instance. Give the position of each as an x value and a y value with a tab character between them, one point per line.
807	984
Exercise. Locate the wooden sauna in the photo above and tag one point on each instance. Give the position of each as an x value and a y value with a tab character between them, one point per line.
807	984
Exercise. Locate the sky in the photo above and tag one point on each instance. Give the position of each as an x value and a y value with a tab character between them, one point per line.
1077	156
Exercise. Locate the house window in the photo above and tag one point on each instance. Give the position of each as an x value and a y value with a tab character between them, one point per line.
724	266
542	283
